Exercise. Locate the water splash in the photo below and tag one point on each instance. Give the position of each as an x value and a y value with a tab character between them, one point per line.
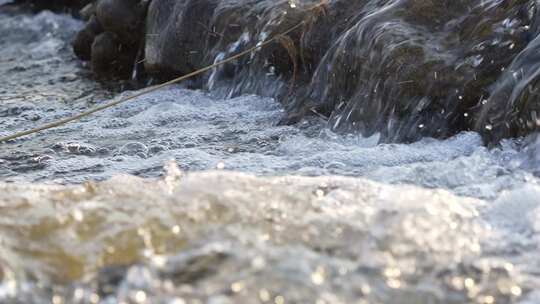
335	239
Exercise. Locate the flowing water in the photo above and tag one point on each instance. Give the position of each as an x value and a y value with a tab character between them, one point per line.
184	197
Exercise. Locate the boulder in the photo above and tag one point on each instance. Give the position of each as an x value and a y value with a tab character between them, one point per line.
113	36
405	69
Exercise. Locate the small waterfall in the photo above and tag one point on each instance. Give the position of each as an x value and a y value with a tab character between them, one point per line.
513	108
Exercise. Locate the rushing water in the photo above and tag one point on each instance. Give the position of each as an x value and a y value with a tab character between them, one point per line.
184	197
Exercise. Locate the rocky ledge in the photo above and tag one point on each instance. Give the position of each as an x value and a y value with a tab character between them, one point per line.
404	68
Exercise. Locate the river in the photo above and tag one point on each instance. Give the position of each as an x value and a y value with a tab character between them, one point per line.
182	196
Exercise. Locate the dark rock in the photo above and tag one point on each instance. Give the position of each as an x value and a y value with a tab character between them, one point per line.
176	34
183	36
415	68
82	45
122	17
112	37
88	11
407	69
513	107
105	50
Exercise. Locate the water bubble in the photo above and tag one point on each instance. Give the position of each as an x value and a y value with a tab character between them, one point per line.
516	291
486	300
393	283
156	149
258	263
318	276
264	295
237	286
56	299
279	300
134	149
175	229
94	298
78	215
140	296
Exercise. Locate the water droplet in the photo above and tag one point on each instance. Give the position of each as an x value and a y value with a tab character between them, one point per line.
78	215
264	295
392	283
258	263
56	299
516	291
279	300
237	286
140	296
317	277
469	283
78	294
94	298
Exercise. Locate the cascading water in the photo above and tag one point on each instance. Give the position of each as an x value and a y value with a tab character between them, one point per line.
406	69
184	196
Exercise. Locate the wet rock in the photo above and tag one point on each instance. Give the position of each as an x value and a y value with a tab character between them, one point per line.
82	44
176	35
513	108
112	37
122	17
88	11
406	69
177	43
415	68
105	50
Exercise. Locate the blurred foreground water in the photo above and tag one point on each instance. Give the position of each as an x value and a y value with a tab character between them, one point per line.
184	197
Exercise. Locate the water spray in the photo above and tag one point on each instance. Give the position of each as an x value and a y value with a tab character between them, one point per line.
148	90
